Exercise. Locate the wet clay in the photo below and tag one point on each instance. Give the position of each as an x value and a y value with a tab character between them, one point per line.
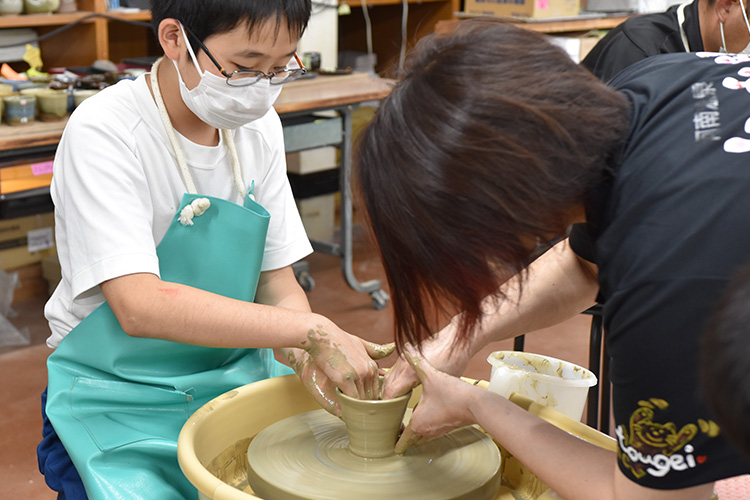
373	425
309	457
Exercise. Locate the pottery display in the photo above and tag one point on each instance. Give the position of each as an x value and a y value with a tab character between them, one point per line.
11	7
315	456
52	105
40	6
20	109
80	95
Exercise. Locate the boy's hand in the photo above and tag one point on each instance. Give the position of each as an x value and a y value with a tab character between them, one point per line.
331	358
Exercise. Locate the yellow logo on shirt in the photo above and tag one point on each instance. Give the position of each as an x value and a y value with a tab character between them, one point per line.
656	448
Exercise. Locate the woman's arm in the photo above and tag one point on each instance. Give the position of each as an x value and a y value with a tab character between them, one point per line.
572	467
557	286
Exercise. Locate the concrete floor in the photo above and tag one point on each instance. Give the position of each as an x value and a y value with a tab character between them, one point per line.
23	370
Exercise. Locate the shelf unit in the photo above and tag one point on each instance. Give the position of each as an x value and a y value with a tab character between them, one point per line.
385	16
570	25
91	38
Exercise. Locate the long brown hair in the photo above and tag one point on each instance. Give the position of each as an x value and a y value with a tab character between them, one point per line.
489	138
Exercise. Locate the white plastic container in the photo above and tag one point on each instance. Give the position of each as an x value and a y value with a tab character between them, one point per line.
549	381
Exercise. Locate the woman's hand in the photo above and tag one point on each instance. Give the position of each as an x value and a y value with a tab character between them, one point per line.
439	351
445	405
329	358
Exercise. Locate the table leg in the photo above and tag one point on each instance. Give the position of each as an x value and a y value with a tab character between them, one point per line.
378	295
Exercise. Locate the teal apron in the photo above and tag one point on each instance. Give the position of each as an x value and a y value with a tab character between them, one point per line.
118	402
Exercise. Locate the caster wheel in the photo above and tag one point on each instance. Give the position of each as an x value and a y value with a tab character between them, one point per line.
379	299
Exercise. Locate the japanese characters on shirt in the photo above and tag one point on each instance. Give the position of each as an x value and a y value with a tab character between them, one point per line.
706	116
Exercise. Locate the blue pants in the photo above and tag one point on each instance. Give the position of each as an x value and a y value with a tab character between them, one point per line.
59	472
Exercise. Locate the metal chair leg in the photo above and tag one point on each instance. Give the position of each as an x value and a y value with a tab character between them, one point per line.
606	389
597	414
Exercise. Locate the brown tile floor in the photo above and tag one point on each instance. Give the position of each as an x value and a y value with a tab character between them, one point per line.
23	372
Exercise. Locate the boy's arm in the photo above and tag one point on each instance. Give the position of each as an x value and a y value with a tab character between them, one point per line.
148	307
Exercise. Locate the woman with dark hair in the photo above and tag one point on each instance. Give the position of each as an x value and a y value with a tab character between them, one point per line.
494	147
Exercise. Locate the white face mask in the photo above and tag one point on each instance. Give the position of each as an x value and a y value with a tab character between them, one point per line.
223	106
723	48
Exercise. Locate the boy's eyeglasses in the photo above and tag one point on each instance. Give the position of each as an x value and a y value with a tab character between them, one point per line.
244	78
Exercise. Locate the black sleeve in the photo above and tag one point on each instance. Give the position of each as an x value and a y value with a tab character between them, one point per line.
611	55
582	243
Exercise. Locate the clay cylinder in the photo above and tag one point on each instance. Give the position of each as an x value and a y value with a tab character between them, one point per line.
373	425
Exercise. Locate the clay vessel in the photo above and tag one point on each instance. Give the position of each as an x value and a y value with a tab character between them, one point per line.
11	7
373	425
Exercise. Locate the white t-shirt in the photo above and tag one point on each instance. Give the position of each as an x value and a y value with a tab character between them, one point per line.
116	188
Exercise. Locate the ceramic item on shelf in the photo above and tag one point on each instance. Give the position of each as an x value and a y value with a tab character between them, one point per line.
6	91
31	90
67	6
40	6
79	95
11	7
52	105
20	109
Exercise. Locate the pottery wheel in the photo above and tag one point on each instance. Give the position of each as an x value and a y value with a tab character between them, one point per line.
306	457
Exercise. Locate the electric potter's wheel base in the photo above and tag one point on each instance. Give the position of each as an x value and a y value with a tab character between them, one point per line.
306	457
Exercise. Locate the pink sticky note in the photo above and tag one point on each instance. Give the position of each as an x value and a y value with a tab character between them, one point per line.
41	168
542	4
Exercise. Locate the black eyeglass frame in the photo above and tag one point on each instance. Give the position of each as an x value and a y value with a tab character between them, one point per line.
295	72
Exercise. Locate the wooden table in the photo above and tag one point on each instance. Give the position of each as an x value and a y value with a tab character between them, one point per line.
21	146
341	94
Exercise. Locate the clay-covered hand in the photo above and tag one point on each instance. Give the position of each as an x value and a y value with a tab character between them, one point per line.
330	358
441	353
445	404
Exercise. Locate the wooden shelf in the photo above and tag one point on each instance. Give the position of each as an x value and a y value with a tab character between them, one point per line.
143	15
385	18
31	135
34	20
374	3
585	23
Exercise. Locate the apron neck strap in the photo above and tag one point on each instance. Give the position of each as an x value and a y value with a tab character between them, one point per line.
226	135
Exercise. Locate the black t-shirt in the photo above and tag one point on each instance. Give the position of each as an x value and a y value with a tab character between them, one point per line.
667	229
641	37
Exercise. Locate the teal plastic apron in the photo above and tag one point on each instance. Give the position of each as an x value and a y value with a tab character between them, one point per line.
118	402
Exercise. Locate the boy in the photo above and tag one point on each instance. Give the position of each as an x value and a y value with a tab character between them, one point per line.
178	327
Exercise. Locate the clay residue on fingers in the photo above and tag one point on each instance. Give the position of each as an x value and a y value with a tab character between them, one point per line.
379	351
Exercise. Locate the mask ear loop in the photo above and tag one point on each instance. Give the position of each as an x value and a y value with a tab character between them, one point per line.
179	155
190	50
723	41
744	14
